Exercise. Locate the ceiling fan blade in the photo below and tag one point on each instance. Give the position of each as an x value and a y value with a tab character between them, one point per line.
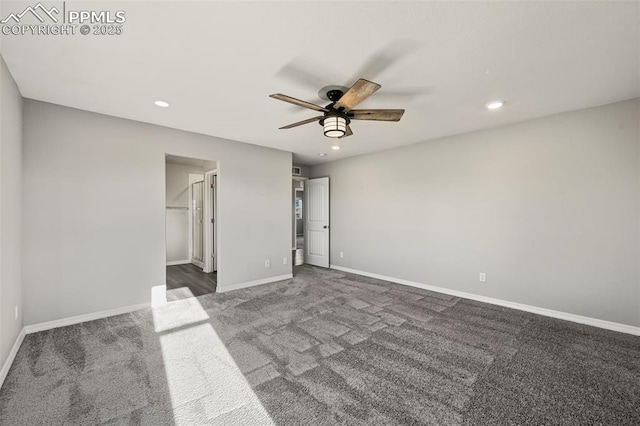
376	114
360	91
300	123
309	75
402	94
348	133
386	57
298	102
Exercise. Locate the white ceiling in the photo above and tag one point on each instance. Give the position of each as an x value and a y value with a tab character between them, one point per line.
217	62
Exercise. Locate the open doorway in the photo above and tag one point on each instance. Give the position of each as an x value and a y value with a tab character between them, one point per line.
298	221
191	228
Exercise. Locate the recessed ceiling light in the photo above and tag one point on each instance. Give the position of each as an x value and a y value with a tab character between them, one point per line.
494	104
335	147
322	154
161	104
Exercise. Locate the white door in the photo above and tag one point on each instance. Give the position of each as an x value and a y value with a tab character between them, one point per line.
317	222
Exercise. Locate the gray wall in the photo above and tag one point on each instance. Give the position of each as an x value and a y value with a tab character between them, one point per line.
209	166
177	183
177	221
548	209
10	210
94	209
304	170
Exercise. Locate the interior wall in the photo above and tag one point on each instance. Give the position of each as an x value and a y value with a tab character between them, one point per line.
101	180
177	220
209	166
304	170
10	211
548	209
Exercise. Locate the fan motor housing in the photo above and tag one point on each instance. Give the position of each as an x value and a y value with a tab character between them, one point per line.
324	92
335	95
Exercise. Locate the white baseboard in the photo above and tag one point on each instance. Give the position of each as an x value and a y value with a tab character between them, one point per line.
63	322
253	283
11	356
178	262
623	328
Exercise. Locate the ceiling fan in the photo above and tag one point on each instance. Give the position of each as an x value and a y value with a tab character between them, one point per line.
339	113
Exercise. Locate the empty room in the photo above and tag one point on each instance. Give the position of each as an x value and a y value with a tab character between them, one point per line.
322	213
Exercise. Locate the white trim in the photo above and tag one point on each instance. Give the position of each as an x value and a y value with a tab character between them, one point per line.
253	283
11	356
63	322
190	222
178	262
210	200
623	328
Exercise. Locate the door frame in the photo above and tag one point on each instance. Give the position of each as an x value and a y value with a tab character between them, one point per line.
211	229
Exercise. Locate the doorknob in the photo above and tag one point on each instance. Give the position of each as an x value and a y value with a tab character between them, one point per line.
325	227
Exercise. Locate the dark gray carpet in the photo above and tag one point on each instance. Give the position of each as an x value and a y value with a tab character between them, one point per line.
325	348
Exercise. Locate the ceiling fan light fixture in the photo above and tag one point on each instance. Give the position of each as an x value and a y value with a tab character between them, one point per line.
339	113
334	126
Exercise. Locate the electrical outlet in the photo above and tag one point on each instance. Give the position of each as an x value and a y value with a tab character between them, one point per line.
16	311
341	254
267	263
285	261
482	277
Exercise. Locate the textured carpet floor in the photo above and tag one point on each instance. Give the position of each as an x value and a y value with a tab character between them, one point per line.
325	348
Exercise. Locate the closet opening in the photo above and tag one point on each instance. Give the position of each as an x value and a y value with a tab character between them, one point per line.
191	227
